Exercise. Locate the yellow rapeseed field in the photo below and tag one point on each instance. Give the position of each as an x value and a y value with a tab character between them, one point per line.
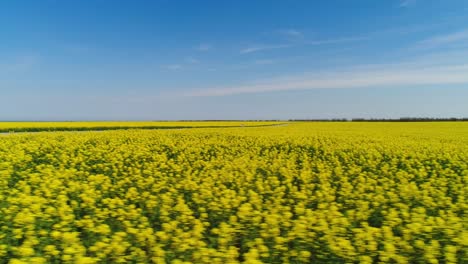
299	193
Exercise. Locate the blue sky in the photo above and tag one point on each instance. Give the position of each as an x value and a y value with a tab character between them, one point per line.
161	60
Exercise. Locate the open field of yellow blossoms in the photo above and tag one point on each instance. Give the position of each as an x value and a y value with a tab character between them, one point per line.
301	193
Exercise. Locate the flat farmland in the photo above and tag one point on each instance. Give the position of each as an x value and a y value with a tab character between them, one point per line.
305	192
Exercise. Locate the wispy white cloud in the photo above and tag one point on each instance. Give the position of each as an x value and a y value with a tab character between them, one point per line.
256	48
204	47
411	73
291	33
440	40
335	41
186	63
264	47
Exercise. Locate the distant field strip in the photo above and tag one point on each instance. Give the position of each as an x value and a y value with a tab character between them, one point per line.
6	127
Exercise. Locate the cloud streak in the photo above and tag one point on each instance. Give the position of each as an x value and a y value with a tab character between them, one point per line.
446	39
335	41
291	33
257	48
264	47
387	75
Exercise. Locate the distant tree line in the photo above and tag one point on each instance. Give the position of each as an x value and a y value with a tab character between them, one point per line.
401	119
